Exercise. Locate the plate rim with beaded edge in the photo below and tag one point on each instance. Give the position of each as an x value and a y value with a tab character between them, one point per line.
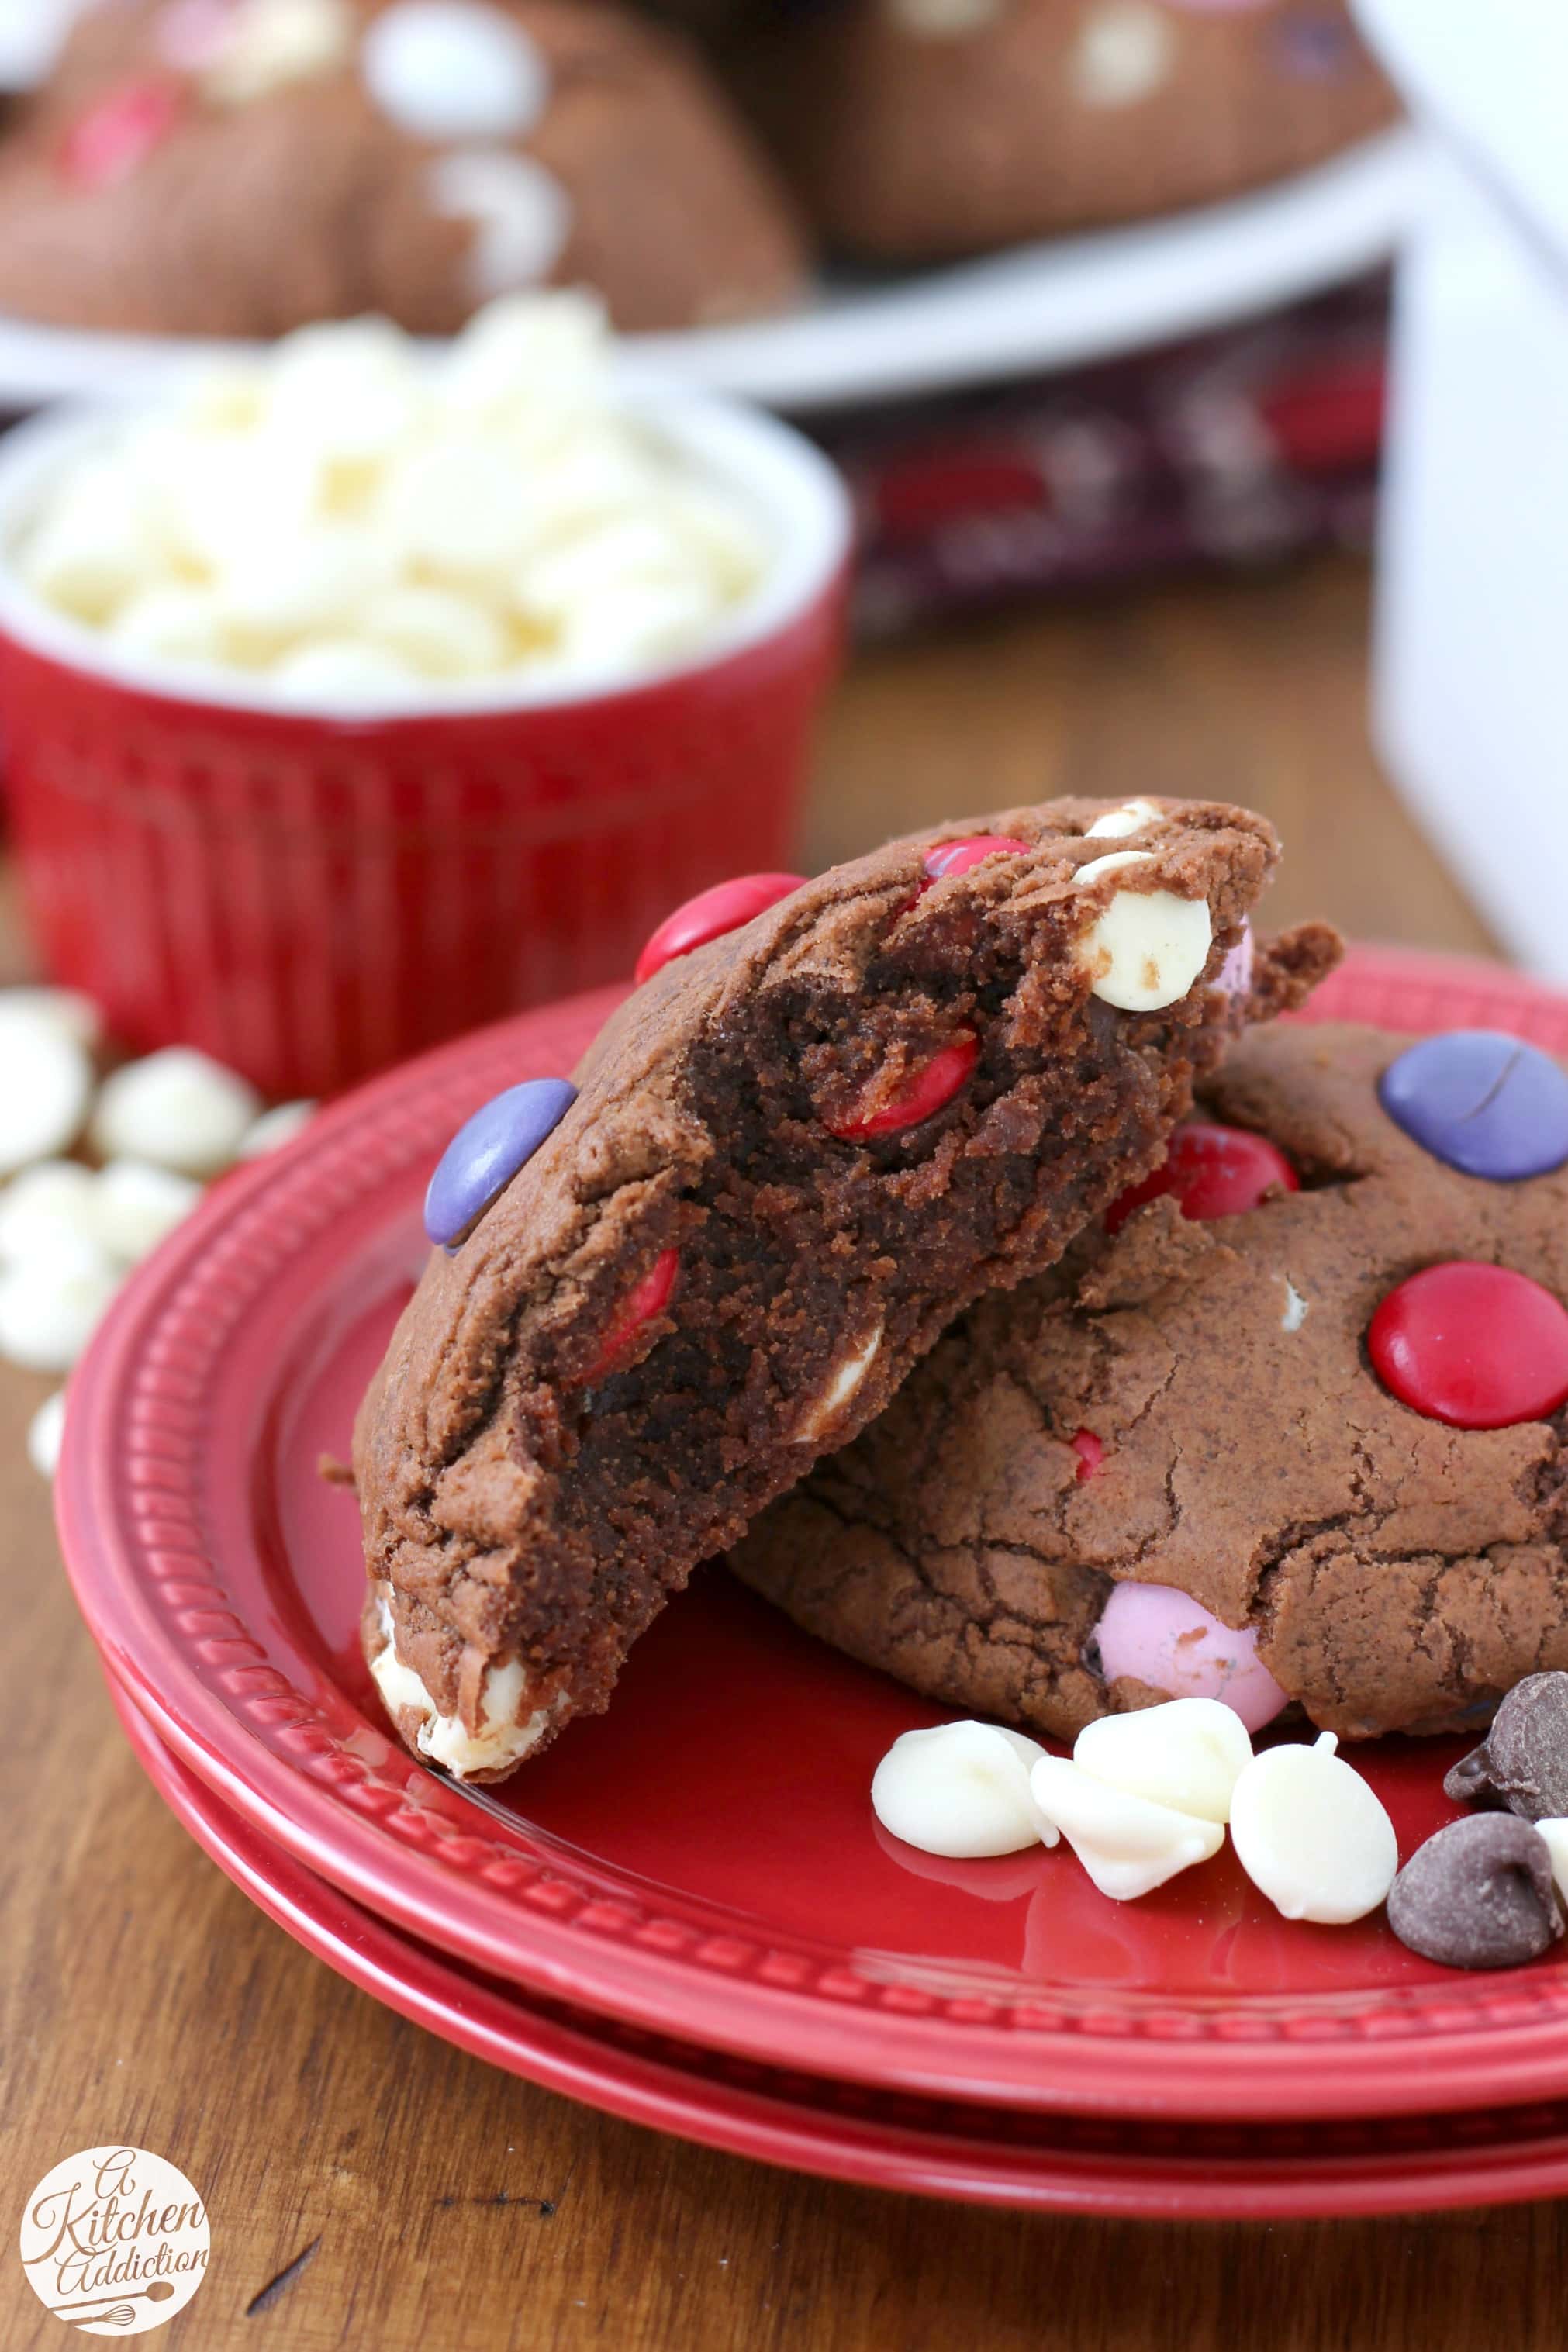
171	1500
1035	308
1032	2162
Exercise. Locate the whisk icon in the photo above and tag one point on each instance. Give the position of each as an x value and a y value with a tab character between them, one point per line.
119	2313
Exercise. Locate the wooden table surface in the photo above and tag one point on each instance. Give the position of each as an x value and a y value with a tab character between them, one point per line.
368	2186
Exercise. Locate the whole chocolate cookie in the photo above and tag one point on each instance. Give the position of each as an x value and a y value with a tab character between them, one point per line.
1303	1442
795	1153
919	129
242	167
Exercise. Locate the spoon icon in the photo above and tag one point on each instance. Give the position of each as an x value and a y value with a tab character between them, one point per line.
116	2314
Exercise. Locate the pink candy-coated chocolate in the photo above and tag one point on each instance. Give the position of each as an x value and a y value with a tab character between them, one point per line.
958	857
120	133
927	1093
646	1299
1159	1636
710	915
1236	973
193	34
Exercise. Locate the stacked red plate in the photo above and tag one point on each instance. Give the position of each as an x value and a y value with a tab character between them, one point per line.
686	1912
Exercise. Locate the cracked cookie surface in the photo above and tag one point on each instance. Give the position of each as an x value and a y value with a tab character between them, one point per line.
1397	1573
760	1154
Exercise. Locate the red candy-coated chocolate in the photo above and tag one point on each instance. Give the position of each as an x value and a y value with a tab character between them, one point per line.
646	1299
1478	1345
958	857
925	1095
110	141
1213	1172
1090	1452
709	915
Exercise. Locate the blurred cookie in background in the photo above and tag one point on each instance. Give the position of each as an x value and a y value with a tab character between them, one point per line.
241	167
918	130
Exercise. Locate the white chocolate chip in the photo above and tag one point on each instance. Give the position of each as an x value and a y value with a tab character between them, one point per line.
844	1385
176	622
437	631
276	1127
178	1109
96	541
1127	1845
1125	51
135	1206
1113	862
65	1009
46	1435
32	35
539	353
521	214
1294	1313
49	1203
944	20
315	578
1311	1835
453	70
270	43
501	1741
1555	1833
1118	824
349	393
961	1790
458	509
655	619
345	670
46	1084
1148	946
1188	1754
50	1307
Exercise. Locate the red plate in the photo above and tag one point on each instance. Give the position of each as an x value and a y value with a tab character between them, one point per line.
1045	2163
702	1860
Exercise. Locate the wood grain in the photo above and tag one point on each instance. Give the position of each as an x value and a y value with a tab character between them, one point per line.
367	2185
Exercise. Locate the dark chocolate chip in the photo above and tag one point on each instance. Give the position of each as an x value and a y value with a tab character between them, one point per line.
1478	1894
1522	1763
1469	1782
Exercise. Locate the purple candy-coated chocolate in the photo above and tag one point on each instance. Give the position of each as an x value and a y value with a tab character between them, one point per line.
1236	973
1481	1101
1315	46
1163	1637
485	1155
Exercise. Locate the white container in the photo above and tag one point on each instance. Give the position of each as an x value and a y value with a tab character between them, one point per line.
1471	651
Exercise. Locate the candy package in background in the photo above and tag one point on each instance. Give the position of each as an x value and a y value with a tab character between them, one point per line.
1236	448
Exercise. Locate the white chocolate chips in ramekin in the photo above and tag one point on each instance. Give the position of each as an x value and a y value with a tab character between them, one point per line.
1145	1796
501	1741
348	520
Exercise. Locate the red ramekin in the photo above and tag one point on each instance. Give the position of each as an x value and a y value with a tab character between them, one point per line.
311	893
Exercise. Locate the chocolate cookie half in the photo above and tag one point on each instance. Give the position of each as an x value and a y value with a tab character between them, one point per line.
795	1153
1302	1444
